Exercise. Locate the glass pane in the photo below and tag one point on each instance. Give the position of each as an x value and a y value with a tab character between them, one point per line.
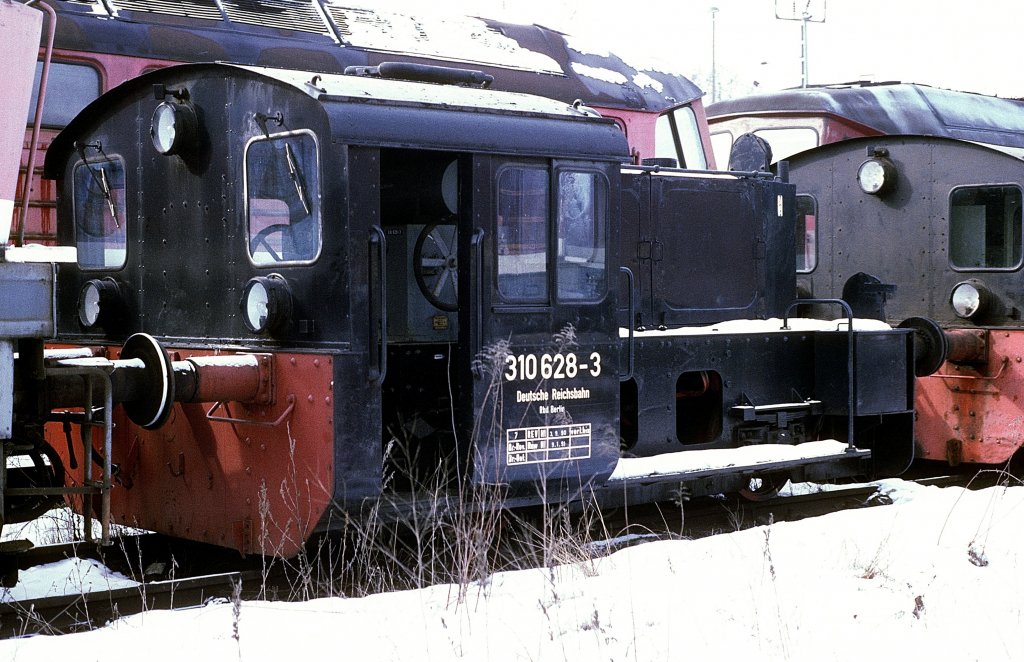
283	200
721	145
806	234
985	227
677	136
581	236
99	209
788	141
69	89
522	234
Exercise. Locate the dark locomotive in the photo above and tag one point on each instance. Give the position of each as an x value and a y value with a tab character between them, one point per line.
921	219
300	296
904	226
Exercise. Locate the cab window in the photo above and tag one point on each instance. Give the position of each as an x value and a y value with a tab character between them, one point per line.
677	136
283	199
522	246
806	234
99	213
985	227
582	212
787	141
70	88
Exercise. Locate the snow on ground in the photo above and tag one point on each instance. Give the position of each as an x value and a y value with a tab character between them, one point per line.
935	576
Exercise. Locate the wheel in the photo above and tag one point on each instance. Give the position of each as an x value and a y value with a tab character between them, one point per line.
262	238
763	488
435	265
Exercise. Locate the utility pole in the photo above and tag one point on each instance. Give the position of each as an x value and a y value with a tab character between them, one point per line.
714	70
811	11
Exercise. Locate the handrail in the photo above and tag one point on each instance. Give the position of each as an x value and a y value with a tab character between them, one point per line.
90	373
629	324
1002	366
851	400
379	334
38	119
477	292
248	421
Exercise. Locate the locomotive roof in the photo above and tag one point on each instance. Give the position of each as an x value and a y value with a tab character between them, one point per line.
366	110
894	108
328	35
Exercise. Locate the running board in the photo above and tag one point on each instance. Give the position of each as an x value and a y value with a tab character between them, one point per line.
683	466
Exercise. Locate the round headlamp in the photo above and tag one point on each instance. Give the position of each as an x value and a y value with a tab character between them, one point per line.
969	299
99	301
173	127
877	176
266	303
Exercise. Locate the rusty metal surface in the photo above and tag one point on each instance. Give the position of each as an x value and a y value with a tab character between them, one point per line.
974	413
893	108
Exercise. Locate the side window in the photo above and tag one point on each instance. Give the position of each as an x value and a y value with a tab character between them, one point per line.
721	145
522	234
582	226
282	180
99	212
806	234
985	227
787	141
677	136
70	88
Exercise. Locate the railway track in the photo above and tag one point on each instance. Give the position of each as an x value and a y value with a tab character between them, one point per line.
228	576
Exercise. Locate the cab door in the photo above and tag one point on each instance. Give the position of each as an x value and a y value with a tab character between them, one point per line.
539	319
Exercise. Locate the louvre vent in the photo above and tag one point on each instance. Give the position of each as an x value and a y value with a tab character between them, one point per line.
202	9
281	14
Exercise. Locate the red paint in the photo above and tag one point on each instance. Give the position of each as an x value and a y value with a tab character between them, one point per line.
974	412
253	486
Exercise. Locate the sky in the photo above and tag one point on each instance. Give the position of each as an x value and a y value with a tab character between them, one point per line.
944	43
937	576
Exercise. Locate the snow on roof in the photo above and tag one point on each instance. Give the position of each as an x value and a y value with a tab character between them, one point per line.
366	88
444	37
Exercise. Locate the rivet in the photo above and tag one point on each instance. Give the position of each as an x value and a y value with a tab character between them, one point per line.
292	360
327	400
309	397
316	363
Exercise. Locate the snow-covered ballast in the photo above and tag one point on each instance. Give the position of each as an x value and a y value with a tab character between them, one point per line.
431	280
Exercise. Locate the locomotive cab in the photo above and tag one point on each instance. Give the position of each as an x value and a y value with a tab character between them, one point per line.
385	248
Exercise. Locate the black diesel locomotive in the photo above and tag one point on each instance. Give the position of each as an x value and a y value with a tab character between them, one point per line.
903	226
314	293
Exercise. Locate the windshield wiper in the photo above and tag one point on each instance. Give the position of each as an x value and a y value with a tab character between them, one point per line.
108	197
293	172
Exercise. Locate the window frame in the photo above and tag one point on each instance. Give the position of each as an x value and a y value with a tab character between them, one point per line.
602	214
93	65
814	243
949	228
547	170
78	228
316	198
